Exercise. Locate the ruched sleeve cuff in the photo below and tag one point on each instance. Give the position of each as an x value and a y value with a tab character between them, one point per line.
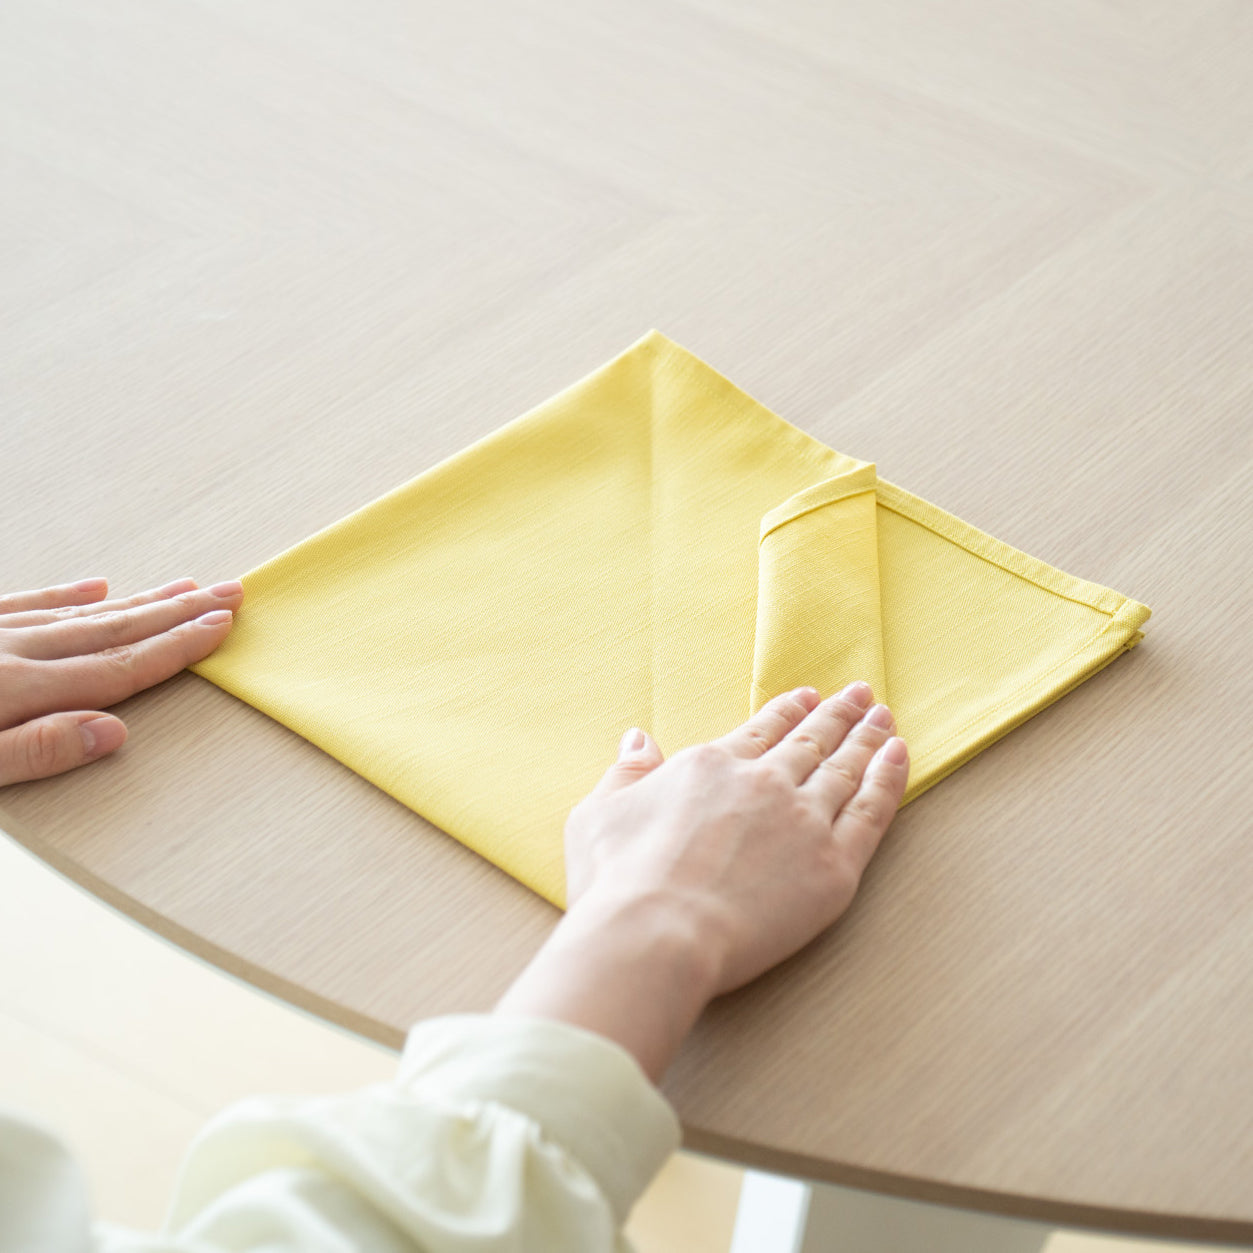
586	1093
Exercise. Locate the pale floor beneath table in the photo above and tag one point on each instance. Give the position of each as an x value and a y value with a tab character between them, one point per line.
126	1045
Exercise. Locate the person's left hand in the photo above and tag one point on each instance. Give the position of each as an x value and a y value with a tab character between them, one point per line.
66	653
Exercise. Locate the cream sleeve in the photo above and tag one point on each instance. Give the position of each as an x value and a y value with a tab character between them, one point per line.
497	1134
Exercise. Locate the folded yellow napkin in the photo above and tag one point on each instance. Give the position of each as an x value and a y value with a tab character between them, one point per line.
650	547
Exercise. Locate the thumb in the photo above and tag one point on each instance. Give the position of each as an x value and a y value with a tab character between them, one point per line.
638	755
56	743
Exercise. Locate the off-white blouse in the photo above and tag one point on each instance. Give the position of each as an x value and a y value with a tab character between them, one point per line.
497	1133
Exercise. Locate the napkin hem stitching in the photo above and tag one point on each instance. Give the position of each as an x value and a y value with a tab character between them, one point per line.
1018	691
835	500
1039	572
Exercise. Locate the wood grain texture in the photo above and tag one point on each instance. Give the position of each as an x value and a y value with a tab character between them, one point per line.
264	262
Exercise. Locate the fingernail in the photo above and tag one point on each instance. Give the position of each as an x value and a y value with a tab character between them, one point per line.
87	585
225	590
101	735
802	693
859	693
216	617
894	751
179	585
880	716
632	741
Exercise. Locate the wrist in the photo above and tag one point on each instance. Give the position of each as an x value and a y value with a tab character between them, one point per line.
651	930
630	967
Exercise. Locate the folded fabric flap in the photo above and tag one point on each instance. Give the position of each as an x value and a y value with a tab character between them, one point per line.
940	748
979	636
819	619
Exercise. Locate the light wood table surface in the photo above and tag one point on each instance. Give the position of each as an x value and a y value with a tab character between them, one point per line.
264	262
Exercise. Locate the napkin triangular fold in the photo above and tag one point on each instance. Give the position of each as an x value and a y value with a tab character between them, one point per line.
819	618
649	547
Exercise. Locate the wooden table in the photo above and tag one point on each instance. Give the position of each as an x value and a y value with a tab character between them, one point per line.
267	261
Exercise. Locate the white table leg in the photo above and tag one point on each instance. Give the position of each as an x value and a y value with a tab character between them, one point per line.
779	1215
771	1214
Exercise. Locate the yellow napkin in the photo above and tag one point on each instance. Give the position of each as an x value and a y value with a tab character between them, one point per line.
650	547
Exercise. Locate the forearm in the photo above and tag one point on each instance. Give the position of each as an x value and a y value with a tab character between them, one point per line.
631	970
